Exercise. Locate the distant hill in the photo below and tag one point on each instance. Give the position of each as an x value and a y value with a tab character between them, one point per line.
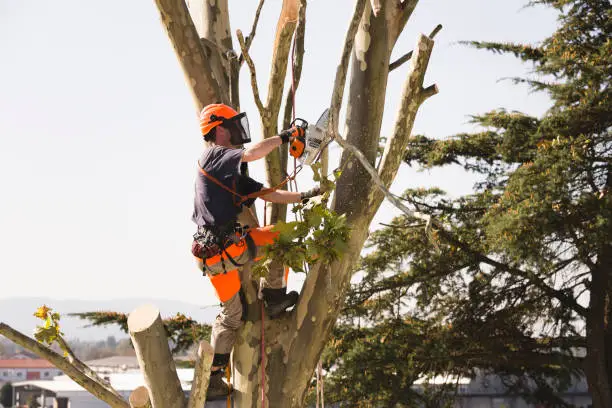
17	313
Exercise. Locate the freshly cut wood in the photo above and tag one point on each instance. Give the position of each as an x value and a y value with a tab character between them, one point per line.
151	344
139	398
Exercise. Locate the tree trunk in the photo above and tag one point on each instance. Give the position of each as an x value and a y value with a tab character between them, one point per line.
275	360
204	87
599	348
275	172
211	20
293	343
151	345
201	375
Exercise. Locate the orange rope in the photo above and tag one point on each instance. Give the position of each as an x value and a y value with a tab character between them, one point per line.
263	358
229	383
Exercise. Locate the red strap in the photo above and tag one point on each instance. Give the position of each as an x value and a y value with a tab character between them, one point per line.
263	357
220	184
256	194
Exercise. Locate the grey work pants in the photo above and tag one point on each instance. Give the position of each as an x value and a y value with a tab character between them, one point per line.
228	322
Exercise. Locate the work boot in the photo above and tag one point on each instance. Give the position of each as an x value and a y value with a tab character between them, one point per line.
278	300
217	387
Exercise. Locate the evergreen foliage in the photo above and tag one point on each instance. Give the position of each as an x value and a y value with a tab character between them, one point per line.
519	281
6	395
183	332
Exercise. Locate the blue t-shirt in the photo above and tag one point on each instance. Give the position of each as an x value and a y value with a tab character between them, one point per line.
213	205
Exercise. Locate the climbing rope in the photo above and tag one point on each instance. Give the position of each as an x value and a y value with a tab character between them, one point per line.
263	344
263	357
228	374
320	385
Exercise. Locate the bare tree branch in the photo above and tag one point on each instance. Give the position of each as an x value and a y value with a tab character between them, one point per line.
214	28
251	36
72	359
201	375
184	37
428	92
410	102
285	28
251	65
97	389
407	7
401	60
340	81
298	59
397	15
150	342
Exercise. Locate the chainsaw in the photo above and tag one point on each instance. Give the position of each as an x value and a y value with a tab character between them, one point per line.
307	147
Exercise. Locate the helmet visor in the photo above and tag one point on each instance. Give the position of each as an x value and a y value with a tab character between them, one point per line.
238	126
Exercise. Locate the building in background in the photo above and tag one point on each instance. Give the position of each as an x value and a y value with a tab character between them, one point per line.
21	369
114	364
489	391
62	392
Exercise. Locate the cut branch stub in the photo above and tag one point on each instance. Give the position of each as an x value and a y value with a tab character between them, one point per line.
201	375
139	398
156	364
406	57
412	97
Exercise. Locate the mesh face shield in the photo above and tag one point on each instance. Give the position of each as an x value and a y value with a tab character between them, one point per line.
238	126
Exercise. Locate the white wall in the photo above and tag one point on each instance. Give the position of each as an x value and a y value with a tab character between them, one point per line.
20	374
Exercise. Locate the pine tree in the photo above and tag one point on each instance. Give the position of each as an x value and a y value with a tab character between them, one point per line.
6	395
520	279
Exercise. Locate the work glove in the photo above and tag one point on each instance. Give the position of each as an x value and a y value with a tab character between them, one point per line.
313	192
291	133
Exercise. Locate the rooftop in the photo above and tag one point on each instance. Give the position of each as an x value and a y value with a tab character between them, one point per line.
115	361
127	381
25	363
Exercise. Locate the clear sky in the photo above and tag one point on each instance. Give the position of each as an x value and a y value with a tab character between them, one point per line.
99	137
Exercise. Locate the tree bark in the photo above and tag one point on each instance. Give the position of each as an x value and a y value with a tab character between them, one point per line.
370	68
151	345
100	391
294	342
204	86
285	29
201	375
597	331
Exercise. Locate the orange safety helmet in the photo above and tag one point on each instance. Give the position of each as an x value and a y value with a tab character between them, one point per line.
218	110
237	123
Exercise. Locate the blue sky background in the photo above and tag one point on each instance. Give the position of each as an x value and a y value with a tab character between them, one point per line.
99	136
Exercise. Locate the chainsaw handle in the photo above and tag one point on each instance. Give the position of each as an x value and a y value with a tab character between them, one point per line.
300	123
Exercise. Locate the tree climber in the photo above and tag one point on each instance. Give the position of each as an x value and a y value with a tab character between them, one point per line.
224	248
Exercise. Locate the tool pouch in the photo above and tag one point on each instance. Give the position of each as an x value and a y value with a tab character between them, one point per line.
205	244
211	241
